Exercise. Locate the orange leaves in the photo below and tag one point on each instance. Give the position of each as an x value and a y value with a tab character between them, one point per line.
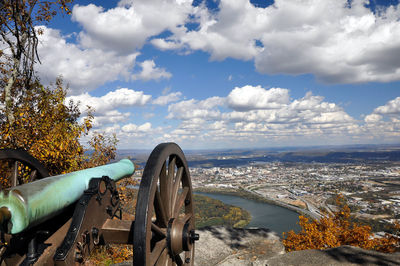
43	124
49	130
18	30
337	230
110	254
104	149
33	117
233	216
48	9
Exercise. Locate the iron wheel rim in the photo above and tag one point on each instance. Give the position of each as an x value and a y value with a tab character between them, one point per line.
20	156
165	190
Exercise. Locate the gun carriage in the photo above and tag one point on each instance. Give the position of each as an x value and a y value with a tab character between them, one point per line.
61	219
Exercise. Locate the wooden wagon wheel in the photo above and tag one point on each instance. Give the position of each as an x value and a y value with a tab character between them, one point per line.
164	221
14	163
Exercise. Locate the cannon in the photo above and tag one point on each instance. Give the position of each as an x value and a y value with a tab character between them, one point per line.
59	220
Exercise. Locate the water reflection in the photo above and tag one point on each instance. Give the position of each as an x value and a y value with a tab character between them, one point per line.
263	215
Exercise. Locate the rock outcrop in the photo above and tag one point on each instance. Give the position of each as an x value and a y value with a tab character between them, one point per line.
343	256
233	247
227	246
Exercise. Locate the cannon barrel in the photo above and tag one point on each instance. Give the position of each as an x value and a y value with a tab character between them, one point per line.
30	204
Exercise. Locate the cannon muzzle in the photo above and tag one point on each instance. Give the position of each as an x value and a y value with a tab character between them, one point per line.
29	204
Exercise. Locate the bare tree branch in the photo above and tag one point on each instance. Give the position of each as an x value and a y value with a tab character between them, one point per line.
18	19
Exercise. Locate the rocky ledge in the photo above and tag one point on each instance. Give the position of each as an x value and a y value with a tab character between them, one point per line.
227	246
230	246
256	247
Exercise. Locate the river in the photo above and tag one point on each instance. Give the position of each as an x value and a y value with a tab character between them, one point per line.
264	215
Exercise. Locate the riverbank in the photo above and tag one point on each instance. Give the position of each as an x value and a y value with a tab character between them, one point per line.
213	212
251	195
263	214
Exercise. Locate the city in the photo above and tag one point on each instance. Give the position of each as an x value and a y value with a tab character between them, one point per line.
372	189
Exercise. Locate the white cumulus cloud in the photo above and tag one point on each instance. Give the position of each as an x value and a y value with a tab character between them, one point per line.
132	128
249	97
391	107
114	99
110	117
337	41
385	117
128	26
189	109
239	117
373	118
151	72
166	99
82	69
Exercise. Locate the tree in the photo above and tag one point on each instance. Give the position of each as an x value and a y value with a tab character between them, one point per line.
18	32
34	117
234	216
50	130
337	230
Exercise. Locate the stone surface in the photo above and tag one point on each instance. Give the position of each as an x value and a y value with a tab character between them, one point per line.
344	255
256	247
228	246
224	246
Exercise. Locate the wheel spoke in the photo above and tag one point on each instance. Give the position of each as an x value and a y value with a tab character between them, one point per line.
190	254
187	217
14	178
158	230
178	260
171	171
181	200
33	175
159	209
171	167
164	190
158	252
170	182
169	261
175	189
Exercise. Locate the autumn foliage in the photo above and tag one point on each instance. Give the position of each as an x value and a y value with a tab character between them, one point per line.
337	230
19	38
49	129
37	118
234	217
33	117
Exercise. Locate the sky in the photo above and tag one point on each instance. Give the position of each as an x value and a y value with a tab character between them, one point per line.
222	74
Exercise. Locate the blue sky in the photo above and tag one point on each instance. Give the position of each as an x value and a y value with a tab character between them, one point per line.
231	74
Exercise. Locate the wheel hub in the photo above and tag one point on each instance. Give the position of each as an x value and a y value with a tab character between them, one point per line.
180	236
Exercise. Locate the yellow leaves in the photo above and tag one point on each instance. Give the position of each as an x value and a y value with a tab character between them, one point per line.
49	130
336	230
233	216
110	254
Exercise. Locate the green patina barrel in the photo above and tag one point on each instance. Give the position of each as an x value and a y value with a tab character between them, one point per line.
35	202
